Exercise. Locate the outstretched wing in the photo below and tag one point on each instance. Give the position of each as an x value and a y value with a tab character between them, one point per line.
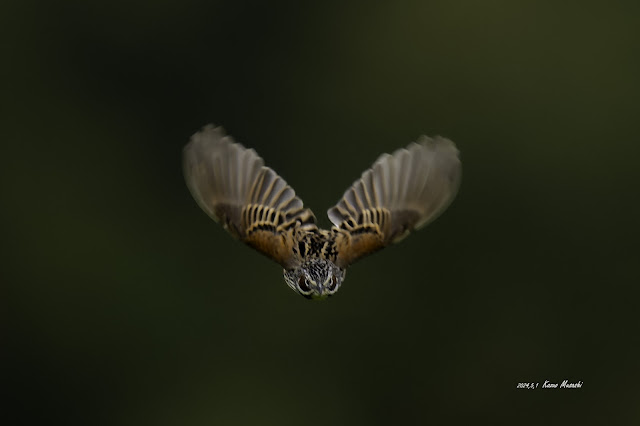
399	193
232	185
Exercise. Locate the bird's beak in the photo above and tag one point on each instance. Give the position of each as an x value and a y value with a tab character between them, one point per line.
320	296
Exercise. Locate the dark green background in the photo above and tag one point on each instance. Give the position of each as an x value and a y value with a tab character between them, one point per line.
125	304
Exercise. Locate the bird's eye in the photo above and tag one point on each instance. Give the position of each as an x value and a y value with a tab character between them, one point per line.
332	284
302	283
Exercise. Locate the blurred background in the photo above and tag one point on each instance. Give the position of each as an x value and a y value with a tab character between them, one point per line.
124	304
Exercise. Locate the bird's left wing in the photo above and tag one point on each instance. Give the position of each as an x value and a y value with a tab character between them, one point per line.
232	185
399	193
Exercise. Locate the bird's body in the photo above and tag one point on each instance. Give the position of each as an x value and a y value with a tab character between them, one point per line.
401	192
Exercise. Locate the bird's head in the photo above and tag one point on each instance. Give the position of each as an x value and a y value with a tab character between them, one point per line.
315	278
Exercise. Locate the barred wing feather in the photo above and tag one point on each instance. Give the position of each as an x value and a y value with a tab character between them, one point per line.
399	193
232	185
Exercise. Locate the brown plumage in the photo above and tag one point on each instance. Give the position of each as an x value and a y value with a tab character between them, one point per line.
399	193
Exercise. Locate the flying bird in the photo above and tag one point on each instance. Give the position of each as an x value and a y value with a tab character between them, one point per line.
401	192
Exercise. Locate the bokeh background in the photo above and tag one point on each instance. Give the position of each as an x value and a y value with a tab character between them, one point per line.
124	304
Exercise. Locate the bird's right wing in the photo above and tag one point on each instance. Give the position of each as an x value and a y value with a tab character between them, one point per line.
232	185
399	193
